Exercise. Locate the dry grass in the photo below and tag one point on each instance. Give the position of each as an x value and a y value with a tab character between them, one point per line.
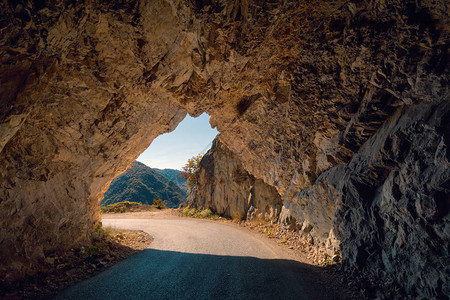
198	213
64	268
127	206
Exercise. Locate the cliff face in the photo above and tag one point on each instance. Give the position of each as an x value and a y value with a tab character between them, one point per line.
77	108
340	106
394	203
229	190
391	204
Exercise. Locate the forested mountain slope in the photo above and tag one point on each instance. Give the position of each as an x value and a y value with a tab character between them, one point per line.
143	184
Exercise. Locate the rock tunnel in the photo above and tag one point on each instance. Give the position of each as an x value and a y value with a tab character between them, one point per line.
340	106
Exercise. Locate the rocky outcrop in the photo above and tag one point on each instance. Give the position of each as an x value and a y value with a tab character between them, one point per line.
76	111
225	187
391	202
395	202
303	93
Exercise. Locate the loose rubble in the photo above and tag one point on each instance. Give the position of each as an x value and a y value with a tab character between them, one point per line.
62	269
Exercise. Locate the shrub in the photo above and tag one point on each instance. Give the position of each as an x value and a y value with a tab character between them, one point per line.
197	213
237	216
158	203
83	268
207	213
93	250
192	212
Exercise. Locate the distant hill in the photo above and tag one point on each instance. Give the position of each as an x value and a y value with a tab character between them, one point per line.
173	175
142	184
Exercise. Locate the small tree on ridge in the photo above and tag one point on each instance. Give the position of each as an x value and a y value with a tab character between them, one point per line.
190	171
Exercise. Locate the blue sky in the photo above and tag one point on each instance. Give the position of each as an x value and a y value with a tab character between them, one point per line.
172	150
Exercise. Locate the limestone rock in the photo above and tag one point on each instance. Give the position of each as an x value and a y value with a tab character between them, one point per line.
72	90
227	189
388	207
303	94
395	203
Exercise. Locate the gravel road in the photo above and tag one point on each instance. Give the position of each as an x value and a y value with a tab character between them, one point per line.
201	259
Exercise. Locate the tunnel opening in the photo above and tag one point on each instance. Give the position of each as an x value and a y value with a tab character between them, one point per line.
156	175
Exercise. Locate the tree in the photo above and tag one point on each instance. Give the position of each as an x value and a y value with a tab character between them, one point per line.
190	171
158	203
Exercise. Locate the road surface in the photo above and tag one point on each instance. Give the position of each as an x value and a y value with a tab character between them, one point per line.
201	259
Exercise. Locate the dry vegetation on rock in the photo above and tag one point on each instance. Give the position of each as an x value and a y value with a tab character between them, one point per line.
63	268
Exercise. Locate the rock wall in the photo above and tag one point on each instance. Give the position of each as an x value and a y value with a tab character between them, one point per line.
392	205
393	215
300	91
76	110
228	189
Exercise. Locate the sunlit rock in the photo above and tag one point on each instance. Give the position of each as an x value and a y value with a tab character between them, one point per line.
228	190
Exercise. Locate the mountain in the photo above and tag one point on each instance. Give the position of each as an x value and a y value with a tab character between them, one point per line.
143	184
173	175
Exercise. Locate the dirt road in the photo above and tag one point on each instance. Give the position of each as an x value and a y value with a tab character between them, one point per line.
200	259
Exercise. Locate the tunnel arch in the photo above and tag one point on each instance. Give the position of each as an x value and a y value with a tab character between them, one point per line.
302	93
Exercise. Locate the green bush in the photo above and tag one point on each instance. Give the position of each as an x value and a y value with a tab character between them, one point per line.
197	213
207	213
158	203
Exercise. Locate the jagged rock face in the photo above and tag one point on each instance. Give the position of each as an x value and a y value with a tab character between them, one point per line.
392	203
76	110
299	92
393	215
225	187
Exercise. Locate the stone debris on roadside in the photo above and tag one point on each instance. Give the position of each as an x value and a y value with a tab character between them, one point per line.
62	269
